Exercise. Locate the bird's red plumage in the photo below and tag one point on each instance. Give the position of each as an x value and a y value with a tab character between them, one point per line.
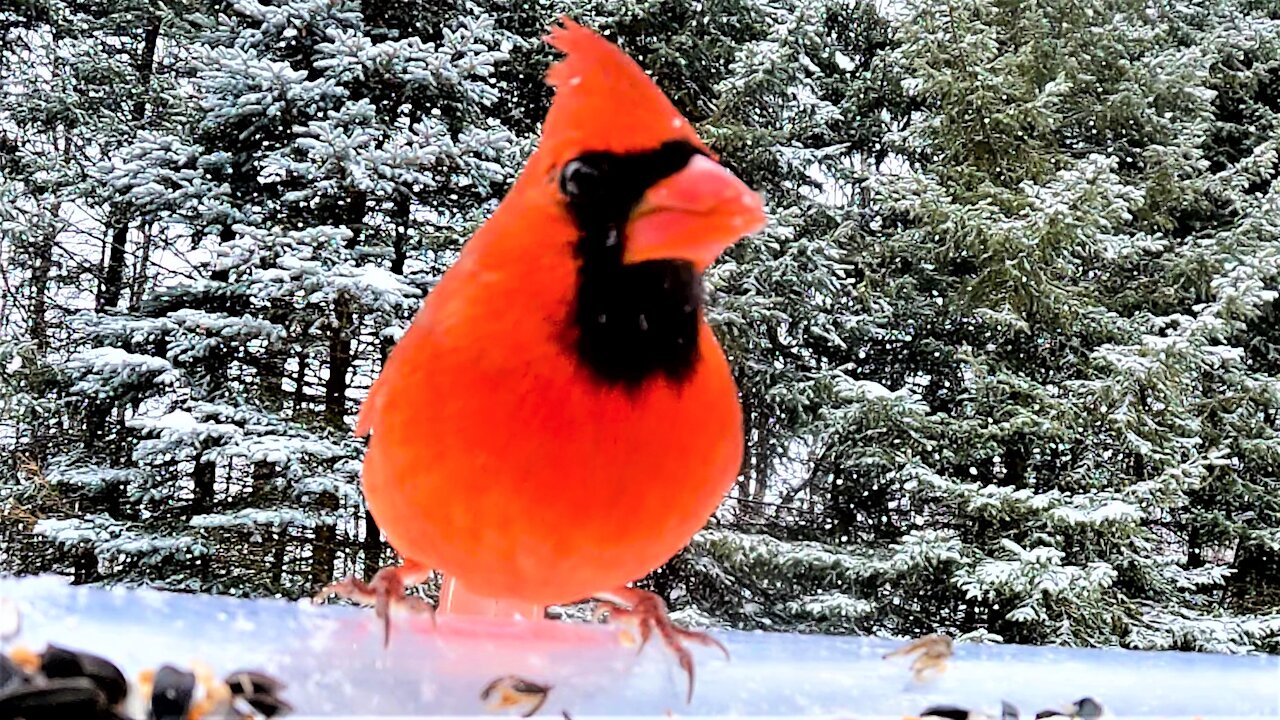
496	456
604	100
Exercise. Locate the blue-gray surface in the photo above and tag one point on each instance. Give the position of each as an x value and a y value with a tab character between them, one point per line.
333	661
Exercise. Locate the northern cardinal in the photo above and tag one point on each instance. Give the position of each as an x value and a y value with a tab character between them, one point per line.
559	419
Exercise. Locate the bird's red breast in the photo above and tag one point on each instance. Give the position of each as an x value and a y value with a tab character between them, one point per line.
559	419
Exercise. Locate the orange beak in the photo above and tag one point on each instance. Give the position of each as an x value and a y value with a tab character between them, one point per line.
692	215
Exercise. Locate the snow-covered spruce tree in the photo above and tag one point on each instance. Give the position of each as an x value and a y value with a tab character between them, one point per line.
1220	320
77	82
326	171
1055	424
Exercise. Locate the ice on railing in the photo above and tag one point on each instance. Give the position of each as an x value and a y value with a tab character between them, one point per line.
333	663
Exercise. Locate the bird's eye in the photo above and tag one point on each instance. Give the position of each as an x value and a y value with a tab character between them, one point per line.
578	178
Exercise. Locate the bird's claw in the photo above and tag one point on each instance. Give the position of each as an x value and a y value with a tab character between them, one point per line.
645	613
386	589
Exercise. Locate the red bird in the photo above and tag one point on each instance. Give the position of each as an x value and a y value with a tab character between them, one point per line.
559	420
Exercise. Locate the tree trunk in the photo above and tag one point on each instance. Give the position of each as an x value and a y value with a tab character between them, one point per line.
85	568
138	281
324	551
1195	548
400	254
1016	460
371	546
118	226
204	495
272	371
743	484
146	65
37	447
335	387
202	480
324	545
758	452
112	286
277	560
40	271
299	383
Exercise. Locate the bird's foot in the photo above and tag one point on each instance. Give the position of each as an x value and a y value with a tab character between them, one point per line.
385	590
645	613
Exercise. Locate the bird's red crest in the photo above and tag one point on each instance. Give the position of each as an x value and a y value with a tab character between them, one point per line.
604	100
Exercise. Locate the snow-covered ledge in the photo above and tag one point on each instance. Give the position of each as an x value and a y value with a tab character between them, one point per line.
333	663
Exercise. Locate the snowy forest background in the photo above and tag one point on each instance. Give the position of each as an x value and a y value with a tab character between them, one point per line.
1008	349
